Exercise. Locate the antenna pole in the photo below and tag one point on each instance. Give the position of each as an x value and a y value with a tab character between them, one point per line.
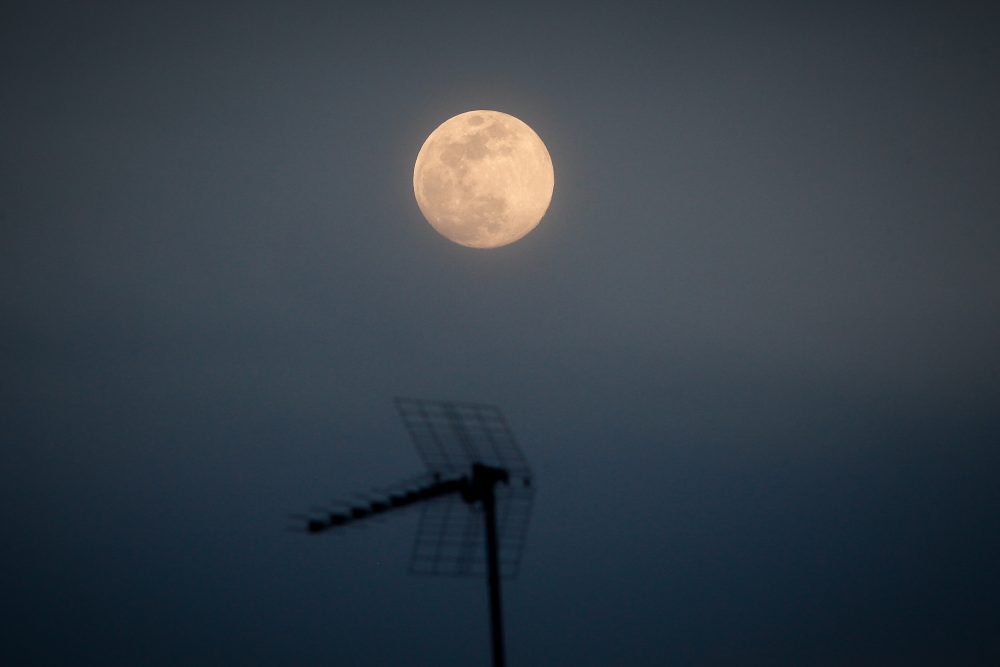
496	617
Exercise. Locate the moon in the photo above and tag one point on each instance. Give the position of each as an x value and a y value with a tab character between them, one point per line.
483	179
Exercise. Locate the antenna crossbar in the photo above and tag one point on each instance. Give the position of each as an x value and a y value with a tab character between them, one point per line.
394	501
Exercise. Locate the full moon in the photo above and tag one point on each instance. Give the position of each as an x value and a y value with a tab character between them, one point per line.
483	179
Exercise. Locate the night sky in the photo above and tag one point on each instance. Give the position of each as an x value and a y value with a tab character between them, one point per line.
751	351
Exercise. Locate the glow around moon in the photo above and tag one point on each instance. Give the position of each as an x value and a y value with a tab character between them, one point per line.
483	179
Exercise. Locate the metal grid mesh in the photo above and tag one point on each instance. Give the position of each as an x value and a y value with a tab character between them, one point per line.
450	437
451	537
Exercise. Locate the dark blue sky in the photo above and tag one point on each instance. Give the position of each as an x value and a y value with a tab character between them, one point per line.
751	350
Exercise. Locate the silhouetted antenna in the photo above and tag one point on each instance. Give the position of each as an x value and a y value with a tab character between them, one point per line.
477	493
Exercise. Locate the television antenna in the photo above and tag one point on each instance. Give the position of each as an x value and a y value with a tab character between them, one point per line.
477	491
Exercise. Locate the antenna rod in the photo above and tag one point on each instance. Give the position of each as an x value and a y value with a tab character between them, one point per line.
496	617
396	501
480	489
